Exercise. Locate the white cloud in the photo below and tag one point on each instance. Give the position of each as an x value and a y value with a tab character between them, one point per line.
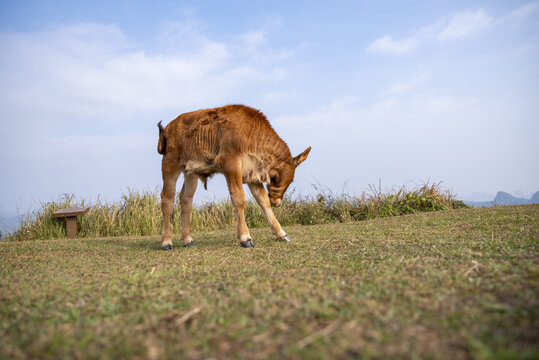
93	71
254	38
102	147
93	83
390	139
464	24
524	11
410	137
449	28
408	84
387	44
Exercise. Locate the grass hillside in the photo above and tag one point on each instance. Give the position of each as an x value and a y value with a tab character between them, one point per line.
455	284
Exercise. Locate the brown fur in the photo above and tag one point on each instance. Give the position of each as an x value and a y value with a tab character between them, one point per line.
235	140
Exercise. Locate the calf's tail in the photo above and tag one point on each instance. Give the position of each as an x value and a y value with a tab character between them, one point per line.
162	144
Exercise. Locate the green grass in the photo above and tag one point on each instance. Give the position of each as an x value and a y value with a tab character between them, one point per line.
139	213
454	284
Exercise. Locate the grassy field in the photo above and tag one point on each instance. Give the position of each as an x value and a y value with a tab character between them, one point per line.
454	284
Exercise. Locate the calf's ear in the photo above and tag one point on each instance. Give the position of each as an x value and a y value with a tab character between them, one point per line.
301	157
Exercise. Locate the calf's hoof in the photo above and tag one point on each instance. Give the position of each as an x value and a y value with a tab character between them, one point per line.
284	238
247	244
167	247
189	244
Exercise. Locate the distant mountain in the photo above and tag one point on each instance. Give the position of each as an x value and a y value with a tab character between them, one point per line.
535	198
503	198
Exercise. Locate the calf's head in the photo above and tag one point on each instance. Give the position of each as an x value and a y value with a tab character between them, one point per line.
281	175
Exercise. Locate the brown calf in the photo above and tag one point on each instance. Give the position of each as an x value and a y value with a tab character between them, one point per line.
237	141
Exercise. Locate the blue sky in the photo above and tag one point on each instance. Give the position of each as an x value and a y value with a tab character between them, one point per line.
402	92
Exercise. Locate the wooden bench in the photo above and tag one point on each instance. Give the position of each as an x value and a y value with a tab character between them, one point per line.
71	218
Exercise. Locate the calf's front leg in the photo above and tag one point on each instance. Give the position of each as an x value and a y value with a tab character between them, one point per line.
263	201
186	201
170	176
237	195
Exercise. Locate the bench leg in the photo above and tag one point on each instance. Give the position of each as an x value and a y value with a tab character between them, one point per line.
71	226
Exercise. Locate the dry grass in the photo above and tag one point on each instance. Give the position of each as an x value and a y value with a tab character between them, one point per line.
139	213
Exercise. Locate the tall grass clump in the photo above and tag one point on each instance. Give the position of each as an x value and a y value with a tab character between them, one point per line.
139	213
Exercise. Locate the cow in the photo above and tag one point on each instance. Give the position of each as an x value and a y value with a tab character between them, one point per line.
236	141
